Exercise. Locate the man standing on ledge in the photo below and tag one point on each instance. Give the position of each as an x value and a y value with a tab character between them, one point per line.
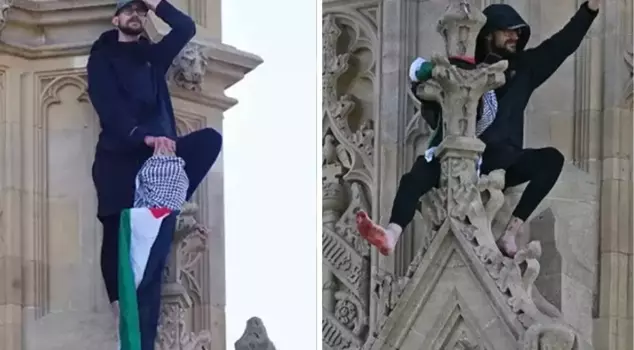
503	37
127	87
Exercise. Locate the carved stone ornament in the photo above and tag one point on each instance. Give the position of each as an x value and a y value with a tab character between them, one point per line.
254	337
189	67
181	286
466	203
549	336
5	5
464	343
173	331
348	144
459	27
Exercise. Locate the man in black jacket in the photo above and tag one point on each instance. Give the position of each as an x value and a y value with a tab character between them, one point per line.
504	37
127	87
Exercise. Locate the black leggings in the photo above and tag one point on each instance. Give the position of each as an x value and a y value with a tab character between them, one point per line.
199	150
539	167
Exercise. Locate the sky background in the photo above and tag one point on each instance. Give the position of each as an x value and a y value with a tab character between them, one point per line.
271	170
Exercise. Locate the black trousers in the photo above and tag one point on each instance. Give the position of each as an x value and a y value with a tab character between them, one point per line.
539	167
199	150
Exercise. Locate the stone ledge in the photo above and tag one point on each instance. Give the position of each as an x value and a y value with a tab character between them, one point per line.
55	28
203	71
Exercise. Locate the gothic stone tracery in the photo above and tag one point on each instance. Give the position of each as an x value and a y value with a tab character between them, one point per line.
465	205
348	143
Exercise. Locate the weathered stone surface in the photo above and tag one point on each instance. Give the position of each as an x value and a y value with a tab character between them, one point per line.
254	337
348	163
556	290
51	292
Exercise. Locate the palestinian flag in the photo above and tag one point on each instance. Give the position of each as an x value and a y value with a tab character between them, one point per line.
145	237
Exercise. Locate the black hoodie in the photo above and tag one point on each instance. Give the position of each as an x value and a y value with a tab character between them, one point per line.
127	87
527	70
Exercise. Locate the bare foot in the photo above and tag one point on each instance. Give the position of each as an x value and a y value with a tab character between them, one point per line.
374	234
507	245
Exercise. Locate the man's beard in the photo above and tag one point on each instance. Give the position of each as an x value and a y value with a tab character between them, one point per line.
504	52
128	30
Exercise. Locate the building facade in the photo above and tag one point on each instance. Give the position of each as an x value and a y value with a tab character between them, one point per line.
424	297
51	292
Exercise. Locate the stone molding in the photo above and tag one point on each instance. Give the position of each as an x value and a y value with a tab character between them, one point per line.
70	28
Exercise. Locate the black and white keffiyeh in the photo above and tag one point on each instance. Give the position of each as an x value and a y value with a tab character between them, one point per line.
161	183
489	110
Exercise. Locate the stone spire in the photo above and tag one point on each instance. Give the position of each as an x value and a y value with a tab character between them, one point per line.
458	92
254	337
459	28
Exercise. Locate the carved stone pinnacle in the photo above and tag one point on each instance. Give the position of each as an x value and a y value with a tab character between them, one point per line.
459	27
254	337
459	90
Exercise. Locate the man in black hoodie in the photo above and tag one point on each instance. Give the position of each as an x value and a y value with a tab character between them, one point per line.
127	87
504	37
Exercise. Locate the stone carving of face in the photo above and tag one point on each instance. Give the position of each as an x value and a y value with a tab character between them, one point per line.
131	19
190	67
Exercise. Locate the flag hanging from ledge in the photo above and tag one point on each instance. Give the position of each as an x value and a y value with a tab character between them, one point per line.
145	236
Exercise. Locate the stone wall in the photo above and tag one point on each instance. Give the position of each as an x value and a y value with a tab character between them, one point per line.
585	110
51	292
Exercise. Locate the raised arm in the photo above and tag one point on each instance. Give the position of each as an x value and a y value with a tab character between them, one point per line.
105	99
182	31
546	58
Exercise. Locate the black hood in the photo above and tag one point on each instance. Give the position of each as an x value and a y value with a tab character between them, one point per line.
501	17
109	40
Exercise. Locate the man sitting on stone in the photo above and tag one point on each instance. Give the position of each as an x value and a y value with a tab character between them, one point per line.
127	87
425	173
504	37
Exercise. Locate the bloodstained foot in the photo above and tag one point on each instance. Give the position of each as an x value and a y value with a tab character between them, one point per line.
373	233
507	245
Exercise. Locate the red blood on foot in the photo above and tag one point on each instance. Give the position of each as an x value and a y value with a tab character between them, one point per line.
372	233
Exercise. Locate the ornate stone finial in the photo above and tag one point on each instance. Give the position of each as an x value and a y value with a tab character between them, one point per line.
189	67
5	5
458	91
459	27
254	337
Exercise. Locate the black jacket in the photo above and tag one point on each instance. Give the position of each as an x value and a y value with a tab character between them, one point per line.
127	87
527	70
